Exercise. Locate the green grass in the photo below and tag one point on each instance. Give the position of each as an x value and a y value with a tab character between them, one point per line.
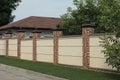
60	71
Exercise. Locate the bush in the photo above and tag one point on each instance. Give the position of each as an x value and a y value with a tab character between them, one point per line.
111	51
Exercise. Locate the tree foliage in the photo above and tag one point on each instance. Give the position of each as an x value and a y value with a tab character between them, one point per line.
109	18
6	8
85	9
105	13
111	51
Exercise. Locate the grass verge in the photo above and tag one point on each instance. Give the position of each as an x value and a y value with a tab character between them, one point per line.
60	71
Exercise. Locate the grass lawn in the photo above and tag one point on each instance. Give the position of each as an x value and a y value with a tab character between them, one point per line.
60	71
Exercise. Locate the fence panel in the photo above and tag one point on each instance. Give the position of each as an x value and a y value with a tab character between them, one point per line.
12	47
2	47
27	49
45	50
97	59
70	51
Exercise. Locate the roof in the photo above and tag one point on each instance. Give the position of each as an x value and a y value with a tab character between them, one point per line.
34	22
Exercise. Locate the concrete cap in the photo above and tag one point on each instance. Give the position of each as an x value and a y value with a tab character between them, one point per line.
88	24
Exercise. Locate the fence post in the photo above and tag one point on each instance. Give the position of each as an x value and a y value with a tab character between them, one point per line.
8	35
35	37
19	38
56	34
87	30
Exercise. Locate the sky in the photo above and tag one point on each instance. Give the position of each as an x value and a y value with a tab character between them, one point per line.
45	8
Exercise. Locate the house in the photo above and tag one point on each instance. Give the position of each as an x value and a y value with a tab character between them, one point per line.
45	25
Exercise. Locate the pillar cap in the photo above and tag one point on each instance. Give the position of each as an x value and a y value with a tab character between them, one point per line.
20	31
8	32
36	31
88	24
58	29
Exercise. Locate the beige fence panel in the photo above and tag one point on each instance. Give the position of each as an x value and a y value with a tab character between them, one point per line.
97	59
70	51
27	49
45	50
2	47
12	47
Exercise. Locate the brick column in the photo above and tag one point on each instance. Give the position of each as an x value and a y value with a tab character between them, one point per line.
19	38
56	34
35	37
87	30
8	35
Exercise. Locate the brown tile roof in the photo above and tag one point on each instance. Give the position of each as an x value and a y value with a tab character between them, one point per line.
34	22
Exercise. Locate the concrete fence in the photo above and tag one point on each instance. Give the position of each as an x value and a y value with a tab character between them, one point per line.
82	50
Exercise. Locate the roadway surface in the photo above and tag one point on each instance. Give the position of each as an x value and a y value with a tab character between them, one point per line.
13	73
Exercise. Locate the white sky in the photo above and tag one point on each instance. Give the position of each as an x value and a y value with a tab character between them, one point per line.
46	8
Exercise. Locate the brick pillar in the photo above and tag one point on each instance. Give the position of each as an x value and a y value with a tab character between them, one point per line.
8	35
56	34
19	38
35	37
87	30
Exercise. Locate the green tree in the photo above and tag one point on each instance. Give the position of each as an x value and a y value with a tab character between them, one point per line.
85	10
69	23
109	19
105	13
111	51
6	8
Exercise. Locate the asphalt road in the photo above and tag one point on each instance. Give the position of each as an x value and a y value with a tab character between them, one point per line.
13	73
